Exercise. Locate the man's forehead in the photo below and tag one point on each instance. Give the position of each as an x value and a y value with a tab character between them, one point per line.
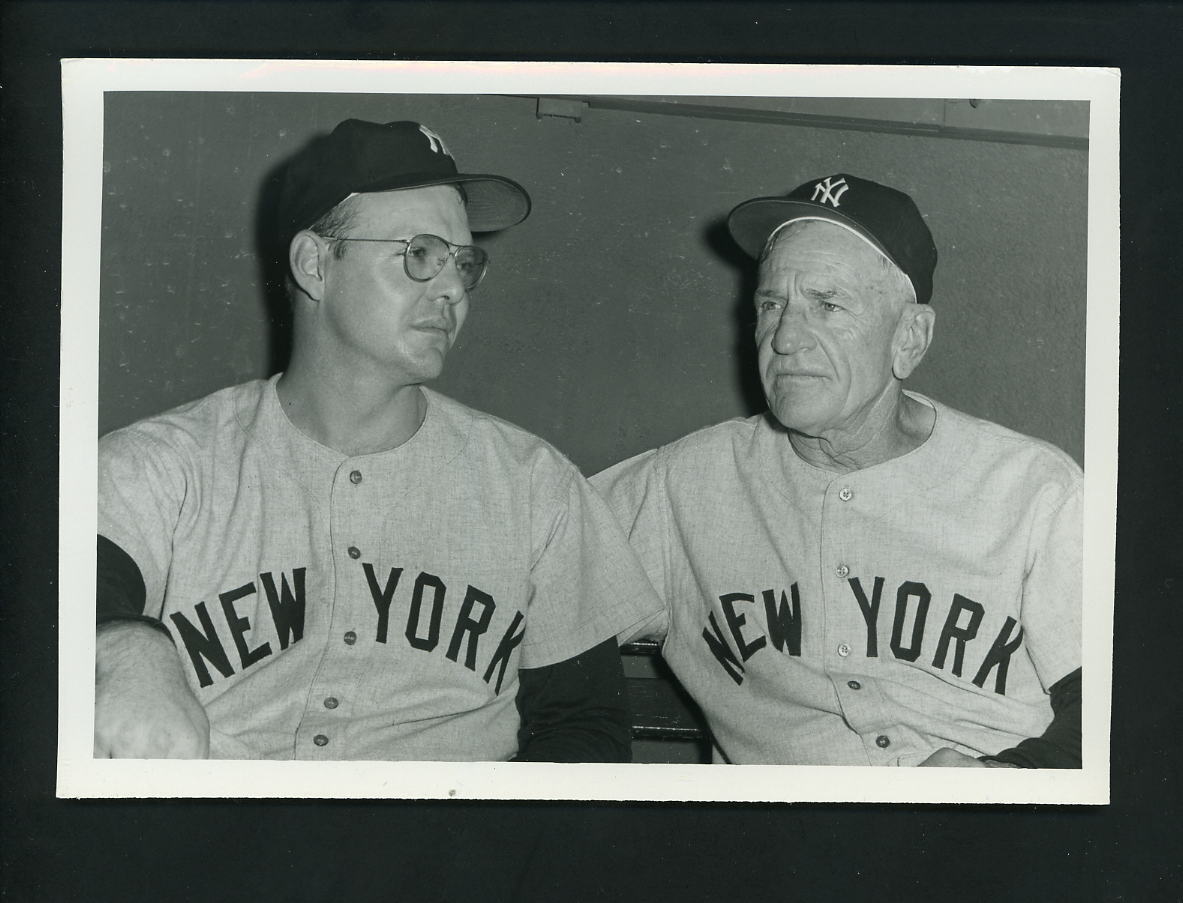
445	197
409	205
824	242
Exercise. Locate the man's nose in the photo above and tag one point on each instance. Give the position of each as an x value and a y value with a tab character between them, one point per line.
792	332
448	286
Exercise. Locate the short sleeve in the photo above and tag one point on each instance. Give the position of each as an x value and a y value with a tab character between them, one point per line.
634	491
1052	589
141	487
586	584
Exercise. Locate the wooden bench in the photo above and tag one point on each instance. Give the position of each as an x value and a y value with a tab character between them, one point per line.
662	710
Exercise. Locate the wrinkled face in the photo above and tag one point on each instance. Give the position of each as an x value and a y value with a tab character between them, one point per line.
375	313
827	308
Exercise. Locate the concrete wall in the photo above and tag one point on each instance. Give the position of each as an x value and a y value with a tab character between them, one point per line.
617	317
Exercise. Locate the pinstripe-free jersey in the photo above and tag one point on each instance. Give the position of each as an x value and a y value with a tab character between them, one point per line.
869	617
368	607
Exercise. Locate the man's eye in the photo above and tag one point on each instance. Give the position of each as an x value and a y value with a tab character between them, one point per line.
830	307
416	253
768	304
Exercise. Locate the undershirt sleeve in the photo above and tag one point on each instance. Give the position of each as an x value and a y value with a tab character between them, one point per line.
1059	746
119	587
575	710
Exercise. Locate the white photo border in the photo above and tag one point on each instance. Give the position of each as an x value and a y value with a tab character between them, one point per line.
84	83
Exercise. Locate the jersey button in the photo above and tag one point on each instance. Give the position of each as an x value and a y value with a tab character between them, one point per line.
846	494
883	741
350	638
843	649
853	684
331	702
320	740
354	552
842	570
355	477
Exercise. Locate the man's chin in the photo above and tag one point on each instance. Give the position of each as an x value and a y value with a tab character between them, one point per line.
427	367
796	418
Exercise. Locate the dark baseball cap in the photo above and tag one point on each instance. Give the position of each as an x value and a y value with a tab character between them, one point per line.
884	216
359	157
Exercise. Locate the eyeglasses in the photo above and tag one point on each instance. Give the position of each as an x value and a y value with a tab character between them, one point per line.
425	255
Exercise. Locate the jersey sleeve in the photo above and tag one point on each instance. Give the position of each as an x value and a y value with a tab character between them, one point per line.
634	491
1052	588
141	487
586	584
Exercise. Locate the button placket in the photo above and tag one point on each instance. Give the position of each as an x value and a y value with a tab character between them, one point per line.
330	705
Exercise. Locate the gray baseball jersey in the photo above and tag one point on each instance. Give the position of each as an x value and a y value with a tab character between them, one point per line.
369	607
870	617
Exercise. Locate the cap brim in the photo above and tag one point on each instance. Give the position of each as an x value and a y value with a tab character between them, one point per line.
753	221
493	202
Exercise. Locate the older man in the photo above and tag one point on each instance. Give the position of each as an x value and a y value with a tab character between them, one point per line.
863	575
337	562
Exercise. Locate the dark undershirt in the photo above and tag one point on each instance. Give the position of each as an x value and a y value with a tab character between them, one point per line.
575	710
1059	746
571	711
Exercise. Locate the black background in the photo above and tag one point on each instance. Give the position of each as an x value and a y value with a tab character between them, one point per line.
297	851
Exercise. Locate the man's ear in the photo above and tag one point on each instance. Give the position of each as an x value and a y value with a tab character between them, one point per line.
306	259
913	336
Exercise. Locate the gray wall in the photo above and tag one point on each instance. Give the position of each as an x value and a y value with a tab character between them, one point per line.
616	318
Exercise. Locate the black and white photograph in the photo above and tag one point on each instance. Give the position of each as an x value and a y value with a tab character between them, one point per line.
588	431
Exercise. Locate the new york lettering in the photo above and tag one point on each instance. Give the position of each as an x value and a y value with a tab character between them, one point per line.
425	618
423	629
286	602
739	637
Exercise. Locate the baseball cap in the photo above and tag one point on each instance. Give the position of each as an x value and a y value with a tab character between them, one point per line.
887	218
359	156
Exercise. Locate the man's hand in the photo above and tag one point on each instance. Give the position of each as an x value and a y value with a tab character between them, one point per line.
143	707
951	758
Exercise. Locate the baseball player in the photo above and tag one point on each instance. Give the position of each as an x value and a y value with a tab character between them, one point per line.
862	575
338	562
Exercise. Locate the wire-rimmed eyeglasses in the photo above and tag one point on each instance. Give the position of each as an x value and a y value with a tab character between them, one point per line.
424	257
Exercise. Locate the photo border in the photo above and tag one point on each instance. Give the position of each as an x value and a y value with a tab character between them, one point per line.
84	84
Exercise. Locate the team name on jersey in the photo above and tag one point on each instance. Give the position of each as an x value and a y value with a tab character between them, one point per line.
783	617
423	602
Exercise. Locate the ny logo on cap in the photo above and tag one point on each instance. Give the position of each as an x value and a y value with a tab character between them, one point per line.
437	143
828	191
